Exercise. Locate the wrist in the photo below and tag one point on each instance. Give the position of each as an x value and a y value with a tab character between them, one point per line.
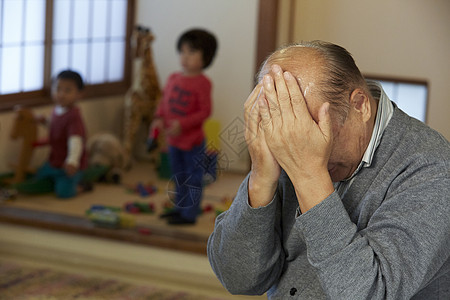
71	163
260	190
313	189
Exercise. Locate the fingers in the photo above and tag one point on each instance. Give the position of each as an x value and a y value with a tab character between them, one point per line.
265	113
251	114
298	103
284	97
325	121
282	92
251	100
271	95
280	89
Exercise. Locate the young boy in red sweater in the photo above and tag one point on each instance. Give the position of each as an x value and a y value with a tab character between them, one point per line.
185	105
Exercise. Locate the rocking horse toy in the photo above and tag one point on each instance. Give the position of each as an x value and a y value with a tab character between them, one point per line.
24	127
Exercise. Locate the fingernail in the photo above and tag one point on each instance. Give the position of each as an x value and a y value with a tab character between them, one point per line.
287	75
276	69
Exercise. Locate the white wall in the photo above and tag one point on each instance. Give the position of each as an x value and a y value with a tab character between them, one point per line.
234	22
402	38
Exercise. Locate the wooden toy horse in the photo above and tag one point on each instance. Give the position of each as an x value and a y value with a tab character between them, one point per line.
24	127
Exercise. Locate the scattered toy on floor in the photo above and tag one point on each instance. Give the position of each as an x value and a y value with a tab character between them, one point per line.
139	207
7	194
225	205
168	207
109	217
207	208
144	230
143	190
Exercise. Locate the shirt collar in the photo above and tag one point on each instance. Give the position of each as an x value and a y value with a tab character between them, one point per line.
384	114
60	110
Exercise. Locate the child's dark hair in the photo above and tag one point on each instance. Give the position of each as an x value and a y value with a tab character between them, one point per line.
200	39
72	75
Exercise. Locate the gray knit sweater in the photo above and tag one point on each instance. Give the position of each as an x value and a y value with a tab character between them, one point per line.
387	238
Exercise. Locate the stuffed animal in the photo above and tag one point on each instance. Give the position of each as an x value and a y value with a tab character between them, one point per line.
106	150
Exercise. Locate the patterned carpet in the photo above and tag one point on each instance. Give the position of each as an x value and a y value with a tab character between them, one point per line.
23	282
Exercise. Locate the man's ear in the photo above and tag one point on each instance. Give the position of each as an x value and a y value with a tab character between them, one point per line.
359	101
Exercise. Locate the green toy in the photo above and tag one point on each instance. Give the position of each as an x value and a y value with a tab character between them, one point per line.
109	217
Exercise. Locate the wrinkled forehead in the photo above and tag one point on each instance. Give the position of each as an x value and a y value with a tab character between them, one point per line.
302	62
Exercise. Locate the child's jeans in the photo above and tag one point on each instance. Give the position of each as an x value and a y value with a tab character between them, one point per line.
187	173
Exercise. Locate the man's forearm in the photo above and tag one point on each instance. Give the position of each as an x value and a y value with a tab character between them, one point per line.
245	249
260	193
312	190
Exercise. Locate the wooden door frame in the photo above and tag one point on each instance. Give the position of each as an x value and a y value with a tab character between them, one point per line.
267	30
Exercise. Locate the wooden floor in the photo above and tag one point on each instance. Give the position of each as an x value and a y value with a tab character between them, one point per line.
130	262
49	212
45	231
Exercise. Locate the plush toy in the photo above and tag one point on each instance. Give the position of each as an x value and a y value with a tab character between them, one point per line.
106	150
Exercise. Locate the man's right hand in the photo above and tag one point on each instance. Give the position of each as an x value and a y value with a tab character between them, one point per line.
265	169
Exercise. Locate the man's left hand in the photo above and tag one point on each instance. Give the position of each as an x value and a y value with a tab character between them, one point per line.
301	145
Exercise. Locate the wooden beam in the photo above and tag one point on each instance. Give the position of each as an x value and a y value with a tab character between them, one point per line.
267	30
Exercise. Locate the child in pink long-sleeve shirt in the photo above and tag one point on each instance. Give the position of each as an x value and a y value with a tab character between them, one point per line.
185	105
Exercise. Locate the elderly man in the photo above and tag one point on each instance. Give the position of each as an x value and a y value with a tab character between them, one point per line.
347	198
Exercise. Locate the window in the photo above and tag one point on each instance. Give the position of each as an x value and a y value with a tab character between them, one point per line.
410	96
39	38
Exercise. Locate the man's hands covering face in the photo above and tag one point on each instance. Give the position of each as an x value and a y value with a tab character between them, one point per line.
288	136
299	144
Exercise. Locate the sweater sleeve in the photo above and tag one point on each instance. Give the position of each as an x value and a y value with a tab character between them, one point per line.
404	244
245	248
